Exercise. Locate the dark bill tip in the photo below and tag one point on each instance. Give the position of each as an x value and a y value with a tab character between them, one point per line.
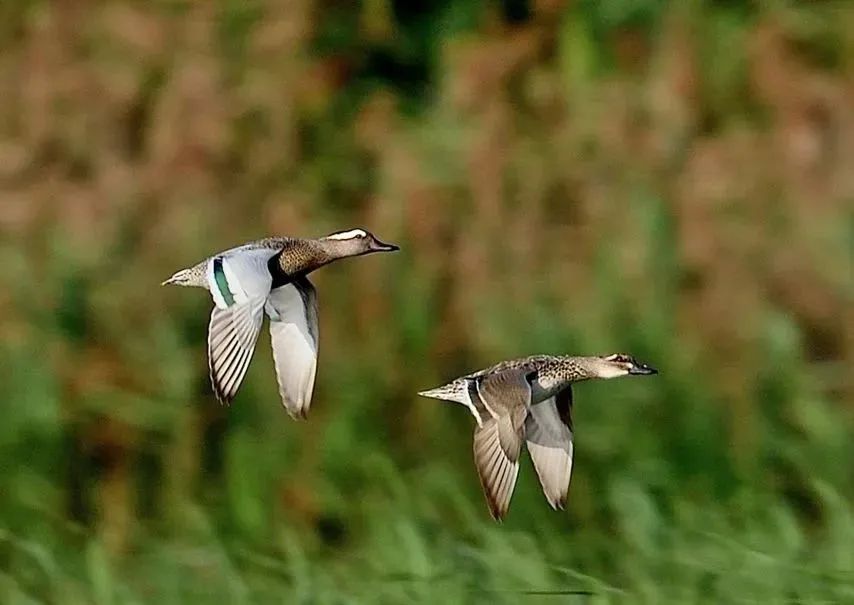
642	369
379	246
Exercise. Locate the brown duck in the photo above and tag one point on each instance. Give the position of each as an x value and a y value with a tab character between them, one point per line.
528	401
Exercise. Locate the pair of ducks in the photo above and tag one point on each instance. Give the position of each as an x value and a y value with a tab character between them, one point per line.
521	401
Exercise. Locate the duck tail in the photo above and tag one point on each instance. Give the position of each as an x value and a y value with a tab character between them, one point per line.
453	391
187	277
432	393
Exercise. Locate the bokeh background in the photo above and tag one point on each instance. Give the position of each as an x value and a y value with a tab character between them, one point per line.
671	180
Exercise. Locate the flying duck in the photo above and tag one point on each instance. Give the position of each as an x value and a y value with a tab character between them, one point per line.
270	276
528	401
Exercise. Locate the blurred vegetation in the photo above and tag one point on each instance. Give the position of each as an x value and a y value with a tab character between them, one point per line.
672	180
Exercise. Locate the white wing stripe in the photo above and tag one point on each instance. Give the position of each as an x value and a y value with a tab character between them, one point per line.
468	403
485	401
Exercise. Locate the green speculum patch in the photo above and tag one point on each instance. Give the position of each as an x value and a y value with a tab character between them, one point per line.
222	282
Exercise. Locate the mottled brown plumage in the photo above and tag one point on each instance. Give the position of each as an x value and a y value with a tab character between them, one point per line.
528	399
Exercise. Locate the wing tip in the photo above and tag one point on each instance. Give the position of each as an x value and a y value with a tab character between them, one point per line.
221	396
497	512
431	393
558	503
295	410
298	415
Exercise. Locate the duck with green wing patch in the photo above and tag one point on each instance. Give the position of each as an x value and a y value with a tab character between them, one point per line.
270	276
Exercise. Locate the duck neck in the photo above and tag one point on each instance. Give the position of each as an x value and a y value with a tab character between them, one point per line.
302	256
572	369
583	368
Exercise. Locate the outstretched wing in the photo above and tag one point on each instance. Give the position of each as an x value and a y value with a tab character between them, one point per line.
548	431
239	282
232	334
505	396
293	329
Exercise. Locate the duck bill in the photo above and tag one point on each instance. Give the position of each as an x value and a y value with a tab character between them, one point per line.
642	369
378	246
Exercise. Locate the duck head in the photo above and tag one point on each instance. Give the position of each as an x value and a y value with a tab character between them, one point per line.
619	364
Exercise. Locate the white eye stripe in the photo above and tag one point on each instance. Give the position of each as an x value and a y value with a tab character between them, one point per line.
348	234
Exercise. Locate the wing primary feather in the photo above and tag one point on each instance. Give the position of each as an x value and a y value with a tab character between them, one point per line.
232	335
496	469
498	438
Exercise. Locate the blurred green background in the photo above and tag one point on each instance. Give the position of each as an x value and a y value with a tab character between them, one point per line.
671	180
